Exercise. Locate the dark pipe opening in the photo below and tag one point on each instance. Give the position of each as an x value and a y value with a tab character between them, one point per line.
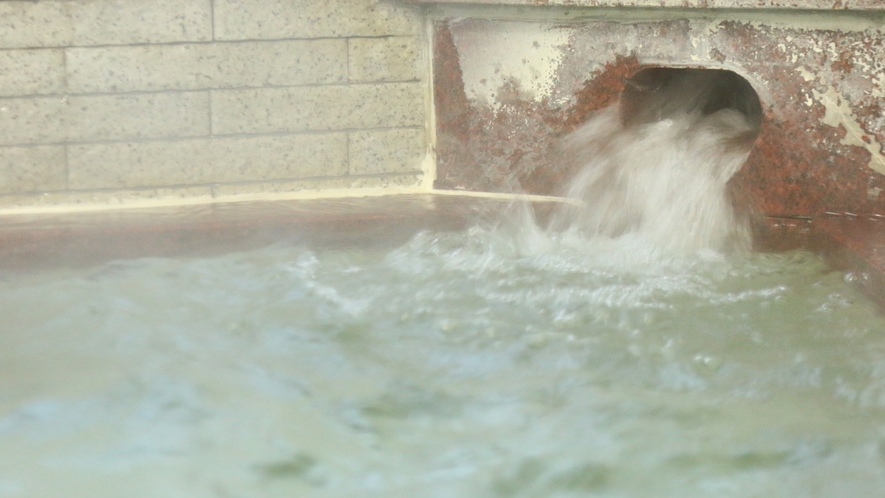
657	93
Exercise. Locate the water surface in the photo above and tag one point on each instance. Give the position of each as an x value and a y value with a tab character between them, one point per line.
480	363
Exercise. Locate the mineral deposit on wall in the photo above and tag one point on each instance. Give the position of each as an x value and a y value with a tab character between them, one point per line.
506	91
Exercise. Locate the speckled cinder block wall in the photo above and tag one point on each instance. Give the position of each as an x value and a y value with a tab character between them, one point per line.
106	101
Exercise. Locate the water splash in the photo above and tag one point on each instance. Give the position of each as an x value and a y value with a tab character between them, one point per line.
472	362
660	168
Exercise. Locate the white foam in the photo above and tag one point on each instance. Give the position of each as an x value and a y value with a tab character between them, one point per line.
665	180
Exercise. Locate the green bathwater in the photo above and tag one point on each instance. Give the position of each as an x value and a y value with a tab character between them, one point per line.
472	364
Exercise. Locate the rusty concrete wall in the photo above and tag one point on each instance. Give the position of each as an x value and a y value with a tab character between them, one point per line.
506	90
702	4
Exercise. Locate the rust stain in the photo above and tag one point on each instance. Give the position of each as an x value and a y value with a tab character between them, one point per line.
452	112
511	148
603	89
801	166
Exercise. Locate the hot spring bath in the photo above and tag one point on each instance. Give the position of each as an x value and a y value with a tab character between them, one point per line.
477	361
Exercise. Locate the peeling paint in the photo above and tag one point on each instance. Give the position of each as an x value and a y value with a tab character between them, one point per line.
517	56
806	74
871	5
822	91
820	77
839	113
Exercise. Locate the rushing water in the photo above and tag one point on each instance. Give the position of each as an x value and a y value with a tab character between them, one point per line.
481	363
620	354
666	179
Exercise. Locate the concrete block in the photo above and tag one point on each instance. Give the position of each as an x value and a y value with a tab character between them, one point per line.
137	164
268	110
103	117
35	120
127	117
110	198
278	157
32	72
61	23
32	169
217	65
318	184
120	22
396	58
25	24
275	19
282	63
203	161
386	151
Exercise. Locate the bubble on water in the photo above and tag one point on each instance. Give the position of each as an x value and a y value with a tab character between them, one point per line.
711	362
860	278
